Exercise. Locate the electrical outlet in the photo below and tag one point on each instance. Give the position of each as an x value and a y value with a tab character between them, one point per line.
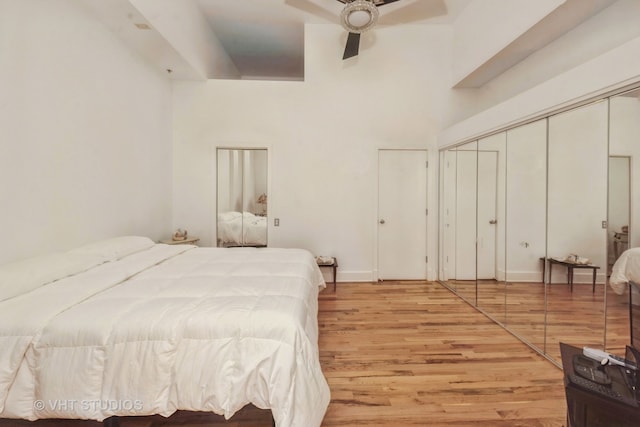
276	222
604	224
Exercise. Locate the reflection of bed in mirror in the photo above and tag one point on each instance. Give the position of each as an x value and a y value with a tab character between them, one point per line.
625	274
242	229
625	270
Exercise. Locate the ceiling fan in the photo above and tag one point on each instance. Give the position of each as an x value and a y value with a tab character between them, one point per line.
356	17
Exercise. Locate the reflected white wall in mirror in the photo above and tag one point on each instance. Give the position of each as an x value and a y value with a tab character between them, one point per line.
577	211
526	201
526	222
578	153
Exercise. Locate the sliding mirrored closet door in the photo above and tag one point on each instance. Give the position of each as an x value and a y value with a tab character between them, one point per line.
490	225
624	204
241	197
446	237
526	239
556	189
576	226
460	233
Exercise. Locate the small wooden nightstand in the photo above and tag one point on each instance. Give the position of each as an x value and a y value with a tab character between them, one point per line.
187	241
334	267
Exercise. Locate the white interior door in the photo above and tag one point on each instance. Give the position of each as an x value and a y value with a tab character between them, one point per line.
487	215
402	215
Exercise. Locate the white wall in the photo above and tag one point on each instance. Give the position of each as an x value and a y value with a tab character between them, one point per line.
323	137
596	56
473	45
85	151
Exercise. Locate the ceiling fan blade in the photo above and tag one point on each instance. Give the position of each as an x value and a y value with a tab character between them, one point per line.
312	8
353	46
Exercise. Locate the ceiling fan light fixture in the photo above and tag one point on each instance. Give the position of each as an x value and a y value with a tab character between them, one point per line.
358	16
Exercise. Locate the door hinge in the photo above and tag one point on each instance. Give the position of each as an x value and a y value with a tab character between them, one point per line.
427	212
427	163
426	259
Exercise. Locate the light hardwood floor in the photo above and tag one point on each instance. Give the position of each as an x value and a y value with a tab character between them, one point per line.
411	354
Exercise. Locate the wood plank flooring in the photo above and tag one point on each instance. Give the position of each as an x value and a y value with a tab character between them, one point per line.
410	354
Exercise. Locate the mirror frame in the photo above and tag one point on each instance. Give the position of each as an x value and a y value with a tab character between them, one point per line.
244	223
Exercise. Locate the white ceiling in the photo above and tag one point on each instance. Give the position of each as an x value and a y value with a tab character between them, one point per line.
264	39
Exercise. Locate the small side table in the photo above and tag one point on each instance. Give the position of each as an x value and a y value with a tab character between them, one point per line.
570	267
334	267
188	241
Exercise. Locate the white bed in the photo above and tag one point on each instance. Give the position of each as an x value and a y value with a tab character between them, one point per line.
242	229
129	327
626	269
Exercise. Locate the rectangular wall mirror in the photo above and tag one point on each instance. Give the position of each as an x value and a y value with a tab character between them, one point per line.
624	204
491	225
576	225
526	223
463	208
242	197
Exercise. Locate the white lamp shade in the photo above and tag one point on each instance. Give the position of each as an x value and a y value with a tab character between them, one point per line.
359	16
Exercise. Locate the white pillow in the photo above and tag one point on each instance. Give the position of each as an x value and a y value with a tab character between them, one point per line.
115	248
228	216
26	275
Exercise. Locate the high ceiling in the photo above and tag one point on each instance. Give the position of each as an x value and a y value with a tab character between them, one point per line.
264	39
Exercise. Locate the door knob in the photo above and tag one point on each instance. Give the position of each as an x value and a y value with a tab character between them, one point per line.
493	221
382	221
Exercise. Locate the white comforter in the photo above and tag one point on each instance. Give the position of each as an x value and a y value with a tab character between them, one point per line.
625	269
168	328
